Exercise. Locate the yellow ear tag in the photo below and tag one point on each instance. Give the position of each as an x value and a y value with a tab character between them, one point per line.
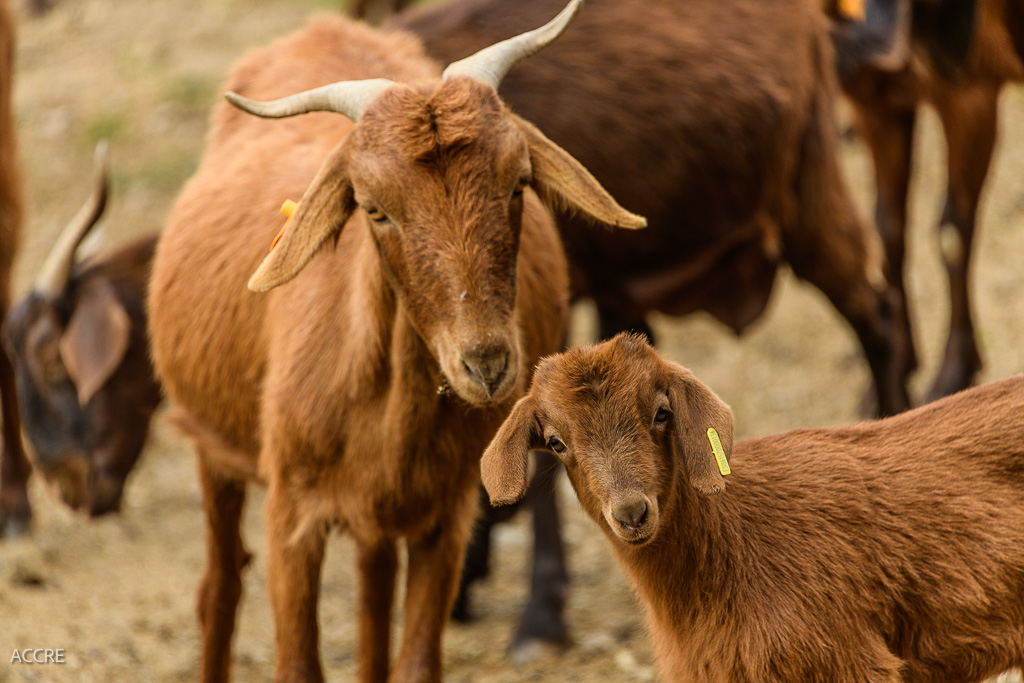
852	9
287	209
716	448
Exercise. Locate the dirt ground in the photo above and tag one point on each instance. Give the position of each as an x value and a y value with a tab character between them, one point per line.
117	594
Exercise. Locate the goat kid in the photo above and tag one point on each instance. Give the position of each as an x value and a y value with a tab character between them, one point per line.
884	551
417	283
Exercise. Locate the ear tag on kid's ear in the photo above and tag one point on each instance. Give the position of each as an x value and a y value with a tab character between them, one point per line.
287	209
716	448
852	9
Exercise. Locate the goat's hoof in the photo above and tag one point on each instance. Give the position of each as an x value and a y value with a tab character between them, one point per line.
15	525
529	651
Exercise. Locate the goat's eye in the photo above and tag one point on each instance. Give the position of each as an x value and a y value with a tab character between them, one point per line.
376	215
555	444
661	417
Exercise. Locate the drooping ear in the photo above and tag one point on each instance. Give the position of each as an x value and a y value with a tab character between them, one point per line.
695	409
505	463
563	183
96	339
322	213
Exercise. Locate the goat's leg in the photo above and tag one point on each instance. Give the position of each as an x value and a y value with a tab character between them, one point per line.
433	574
476	565
15	469
221	586
543	618
827	244
377	564
15	510
611	321
294	557
889	132
969	118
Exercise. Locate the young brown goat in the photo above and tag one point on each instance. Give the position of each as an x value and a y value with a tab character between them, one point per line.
15	511
80	350
884	551
364	391
956	56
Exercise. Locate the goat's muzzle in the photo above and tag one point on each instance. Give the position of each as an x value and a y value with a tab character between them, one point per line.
633	518
488	367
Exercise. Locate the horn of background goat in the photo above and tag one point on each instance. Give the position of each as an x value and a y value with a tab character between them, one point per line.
350	98
54	274
492	63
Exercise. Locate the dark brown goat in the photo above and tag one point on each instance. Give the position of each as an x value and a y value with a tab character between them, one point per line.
880	552
364	390
15	511
956	56
713	118
80	352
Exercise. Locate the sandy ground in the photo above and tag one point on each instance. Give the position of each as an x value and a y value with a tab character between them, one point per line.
117	595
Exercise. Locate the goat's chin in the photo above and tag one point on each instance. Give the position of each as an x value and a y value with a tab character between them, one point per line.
473	394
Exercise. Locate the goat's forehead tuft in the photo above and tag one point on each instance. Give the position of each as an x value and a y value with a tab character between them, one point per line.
406	125
624	366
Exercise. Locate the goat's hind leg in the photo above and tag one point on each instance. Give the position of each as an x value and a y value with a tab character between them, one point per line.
221	586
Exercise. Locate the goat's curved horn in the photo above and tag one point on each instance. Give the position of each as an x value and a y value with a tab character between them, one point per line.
54	274
492	63
350	98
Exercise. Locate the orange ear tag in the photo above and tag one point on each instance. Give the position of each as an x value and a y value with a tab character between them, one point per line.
287	209
852	9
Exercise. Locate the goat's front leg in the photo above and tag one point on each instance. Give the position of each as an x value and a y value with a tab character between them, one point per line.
295	550
435	560
969	117
377	564
15	510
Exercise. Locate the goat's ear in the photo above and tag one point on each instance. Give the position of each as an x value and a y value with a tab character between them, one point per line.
505	463
322	213
563	183
96	339
695	409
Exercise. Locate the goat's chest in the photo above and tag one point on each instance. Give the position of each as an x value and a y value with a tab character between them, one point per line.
402	479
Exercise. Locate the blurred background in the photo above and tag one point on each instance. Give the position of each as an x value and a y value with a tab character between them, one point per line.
118	593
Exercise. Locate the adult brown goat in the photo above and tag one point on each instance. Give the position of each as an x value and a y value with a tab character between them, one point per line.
880	552
80	350
956	56
715	121
364	391
15	510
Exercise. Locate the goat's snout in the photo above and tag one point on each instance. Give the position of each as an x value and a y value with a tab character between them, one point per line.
487	366
633	518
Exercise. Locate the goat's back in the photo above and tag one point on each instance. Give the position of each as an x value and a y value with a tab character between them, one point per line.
910	527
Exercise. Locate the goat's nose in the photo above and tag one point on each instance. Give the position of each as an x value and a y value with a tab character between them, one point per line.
632	514
486	366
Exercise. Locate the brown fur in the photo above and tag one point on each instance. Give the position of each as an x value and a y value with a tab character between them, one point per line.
350	390
86	439
884	551
965	96
715	121
375	11
15	511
